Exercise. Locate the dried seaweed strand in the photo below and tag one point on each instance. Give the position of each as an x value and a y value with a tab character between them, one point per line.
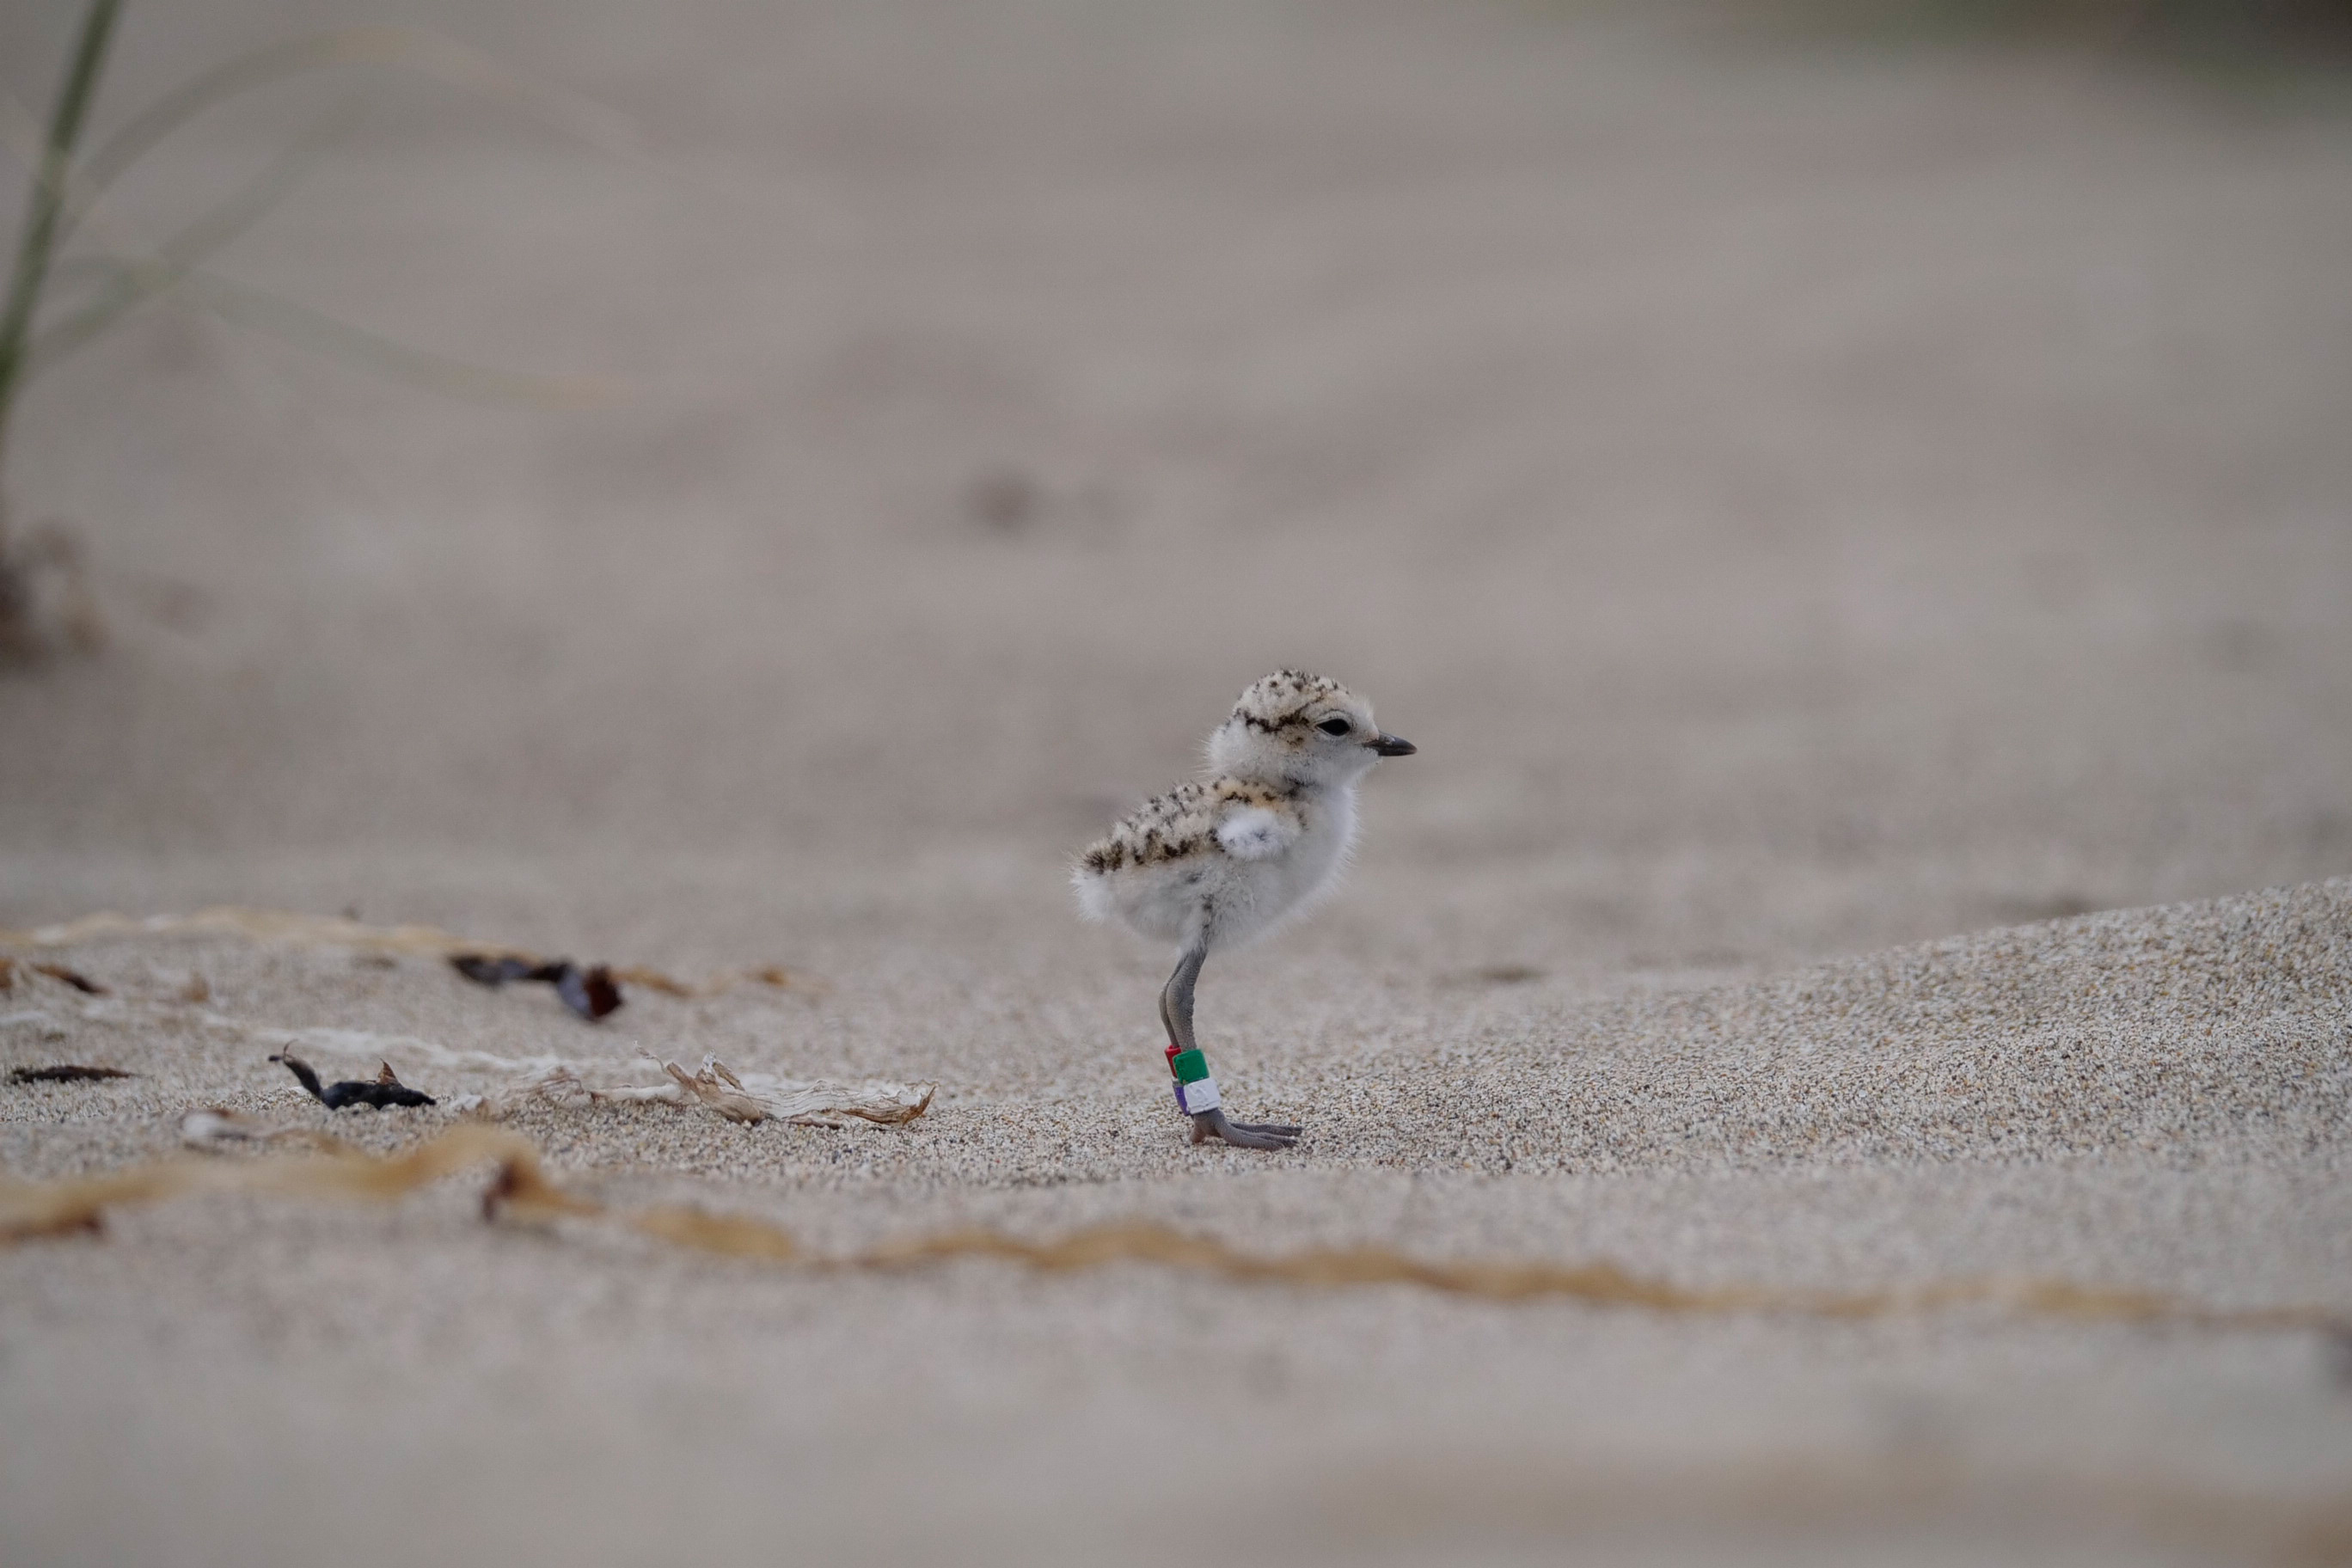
73	977
328	930
381	1093
66	1072
521	1190
55	1208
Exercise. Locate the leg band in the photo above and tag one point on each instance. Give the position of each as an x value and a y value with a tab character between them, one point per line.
1199	1094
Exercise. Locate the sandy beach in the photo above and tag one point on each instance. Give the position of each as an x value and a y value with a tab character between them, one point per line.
1860	539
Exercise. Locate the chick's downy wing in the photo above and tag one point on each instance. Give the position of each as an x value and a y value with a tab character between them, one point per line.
1252	832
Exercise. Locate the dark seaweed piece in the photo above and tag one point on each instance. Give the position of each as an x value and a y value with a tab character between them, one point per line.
385	1091
483	970
591	992
79	982
64	1072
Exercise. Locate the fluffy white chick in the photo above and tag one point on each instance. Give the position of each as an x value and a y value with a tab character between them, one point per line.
1222	861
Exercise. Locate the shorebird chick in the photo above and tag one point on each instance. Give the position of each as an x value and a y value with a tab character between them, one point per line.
1215	863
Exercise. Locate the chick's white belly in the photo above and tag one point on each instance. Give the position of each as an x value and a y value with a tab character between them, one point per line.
1229	901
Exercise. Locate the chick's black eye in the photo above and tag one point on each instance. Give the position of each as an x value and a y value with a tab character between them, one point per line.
1335	726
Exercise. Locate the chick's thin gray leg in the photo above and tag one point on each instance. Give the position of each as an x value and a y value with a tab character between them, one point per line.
1176	1013
1176	998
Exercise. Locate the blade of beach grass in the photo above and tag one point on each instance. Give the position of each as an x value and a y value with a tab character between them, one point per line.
314	329
125	283
428	54
593	125
130	285
44	208
63	195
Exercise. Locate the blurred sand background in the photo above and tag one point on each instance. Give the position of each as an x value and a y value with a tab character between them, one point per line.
1804	499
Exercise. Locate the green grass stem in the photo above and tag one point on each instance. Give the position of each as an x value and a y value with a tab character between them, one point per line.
43	209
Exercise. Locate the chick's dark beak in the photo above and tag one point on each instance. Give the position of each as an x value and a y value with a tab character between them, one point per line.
1393	746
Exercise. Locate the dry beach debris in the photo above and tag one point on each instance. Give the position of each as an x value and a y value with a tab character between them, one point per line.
753	1097
593	992
561	1082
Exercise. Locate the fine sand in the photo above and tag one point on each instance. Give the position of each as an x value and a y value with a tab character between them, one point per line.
1859	539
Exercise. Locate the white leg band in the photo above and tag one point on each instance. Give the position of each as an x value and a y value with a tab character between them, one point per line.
1198	1096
